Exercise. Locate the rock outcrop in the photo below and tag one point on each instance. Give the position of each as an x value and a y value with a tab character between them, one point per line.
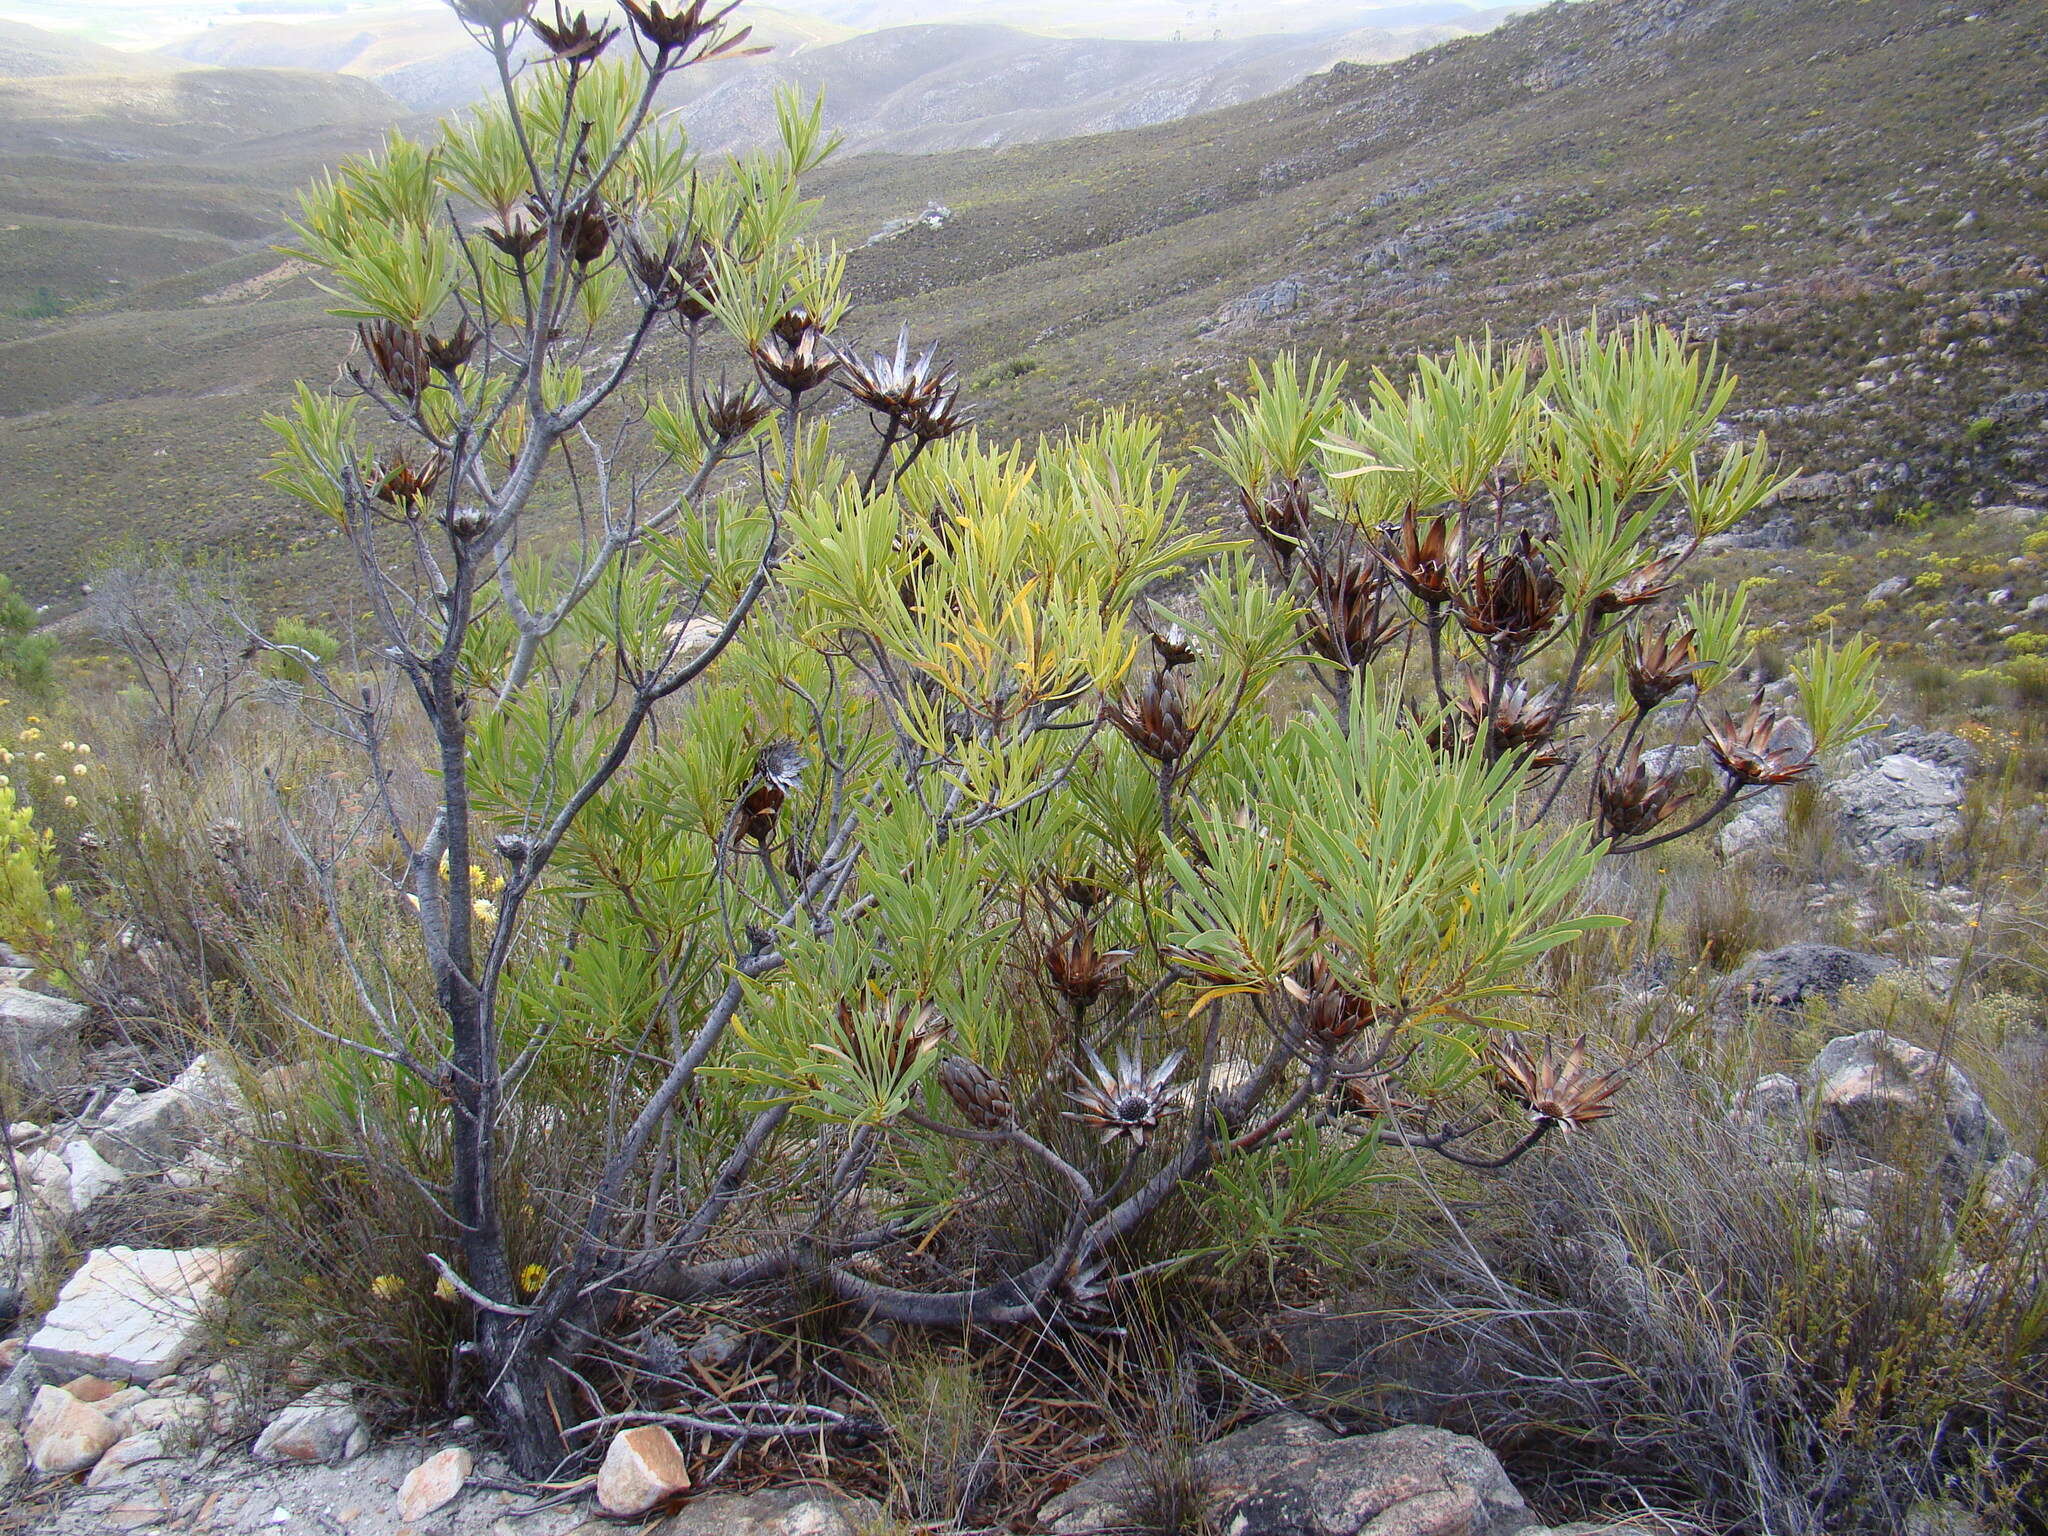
434	1483
1790	977
65	1435
1878	1099
132	1313
1895	808
1899	808
802	1510
150	1132
1289	1476
321	1426
39	1046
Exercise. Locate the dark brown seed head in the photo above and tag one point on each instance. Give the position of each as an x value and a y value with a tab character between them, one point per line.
1077	969
983	1099
445	356
1519	718
1554	1083
586	229
1424	558
778	769
732	411
655	269
689	33
1658	666
939	417
516	236
573	39
1750	751
1156	721
1328	1011
795	353
399	354
402	483
1083	891
1279	519
1632	800
1645	584
1175	647
1354	616
1510	597
693	304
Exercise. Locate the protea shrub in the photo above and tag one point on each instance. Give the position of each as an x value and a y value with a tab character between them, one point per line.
828	848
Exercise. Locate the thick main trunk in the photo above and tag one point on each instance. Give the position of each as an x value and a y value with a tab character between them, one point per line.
516	1394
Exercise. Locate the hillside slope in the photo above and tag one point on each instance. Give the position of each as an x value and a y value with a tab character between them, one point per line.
921	89
909	89
1191	19
111	181
418	53
1849	196
27	51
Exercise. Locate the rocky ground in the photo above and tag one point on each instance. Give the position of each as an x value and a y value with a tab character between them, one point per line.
122	1410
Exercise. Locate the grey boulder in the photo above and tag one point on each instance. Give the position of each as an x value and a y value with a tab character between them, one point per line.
803	1510
1289	1476
1896	810
1878	1098
39	1040
322	1426
1797	974
150	1132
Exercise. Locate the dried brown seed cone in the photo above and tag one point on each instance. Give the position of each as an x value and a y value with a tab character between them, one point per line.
982	1098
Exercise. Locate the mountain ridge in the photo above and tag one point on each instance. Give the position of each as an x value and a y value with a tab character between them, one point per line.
929	88
1847	198
27	52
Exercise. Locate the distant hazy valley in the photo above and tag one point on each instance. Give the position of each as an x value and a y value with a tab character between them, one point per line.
1848	195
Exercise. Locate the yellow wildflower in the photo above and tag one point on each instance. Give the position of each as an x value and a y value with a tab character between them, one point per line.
387	1287
532	1278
